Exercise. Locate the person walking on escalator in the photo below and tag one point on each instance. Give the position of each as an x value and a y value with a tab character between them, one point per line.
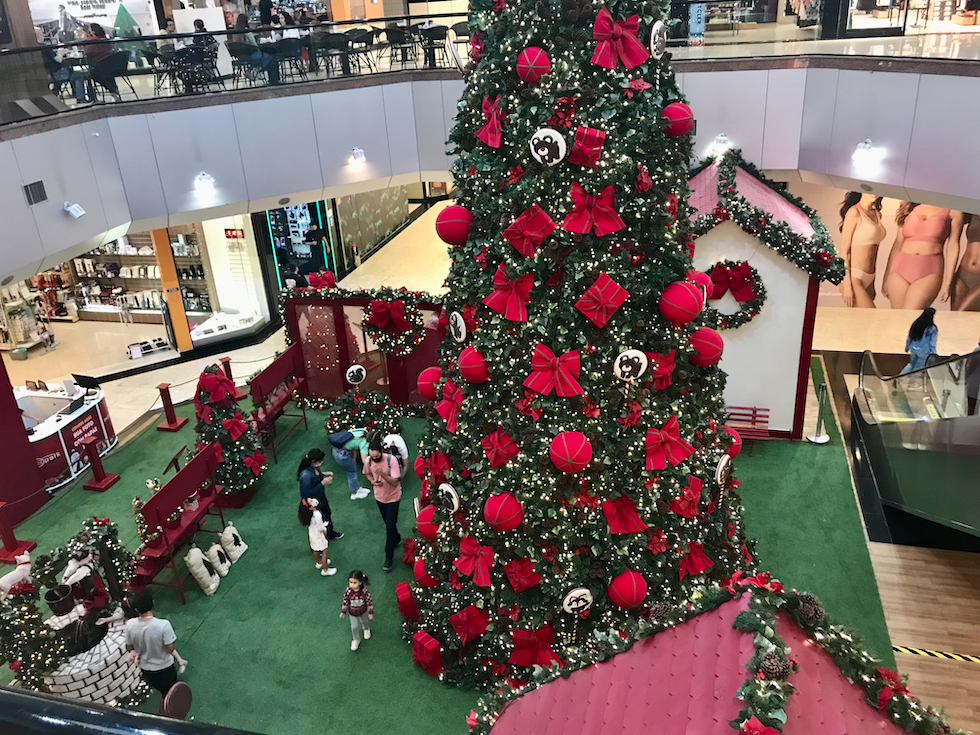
921	340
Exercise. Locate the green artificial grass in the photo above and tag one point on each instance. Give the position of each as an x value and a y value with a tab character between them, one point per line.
269	653
800	508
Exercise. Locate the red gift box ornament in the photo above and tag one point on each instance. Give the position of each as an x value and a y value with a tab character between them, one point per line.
694	561
617	41
601	300
661	369
509	296
450	405
389	316
592	212
621	515
739	279
499	446
529	230
690	498
407	604
474	560
492	132
533	647
521	575
665	445
587	146
427	653
469	623
551	373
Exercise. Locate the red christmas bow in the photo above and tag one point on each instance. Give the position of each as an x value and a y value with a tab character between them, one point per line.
101	521
694	561
217	385
601	300
529	230
219	454
617	41
533	647
521	574
437	466
892	685
753	726
665	445
492	132
526	406
592	211
450	405
327	280
687	504
23	587
739	279
662	368
235	426
621	515
510	297
499	446
475	560
256	462
469	623
587	146
385	315
554	373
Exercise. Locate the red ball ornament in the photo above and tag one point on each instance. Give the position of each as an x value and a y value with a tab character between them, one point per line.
503	512
627	590
677	119
703	280
420	467
453	225
736	445
708	346
426	523
428	382
532	64
570	451
681	302
473	366
824	258
423	577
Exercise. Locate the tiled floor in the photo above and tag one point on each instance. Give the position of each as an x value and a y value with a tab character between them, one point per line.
882	330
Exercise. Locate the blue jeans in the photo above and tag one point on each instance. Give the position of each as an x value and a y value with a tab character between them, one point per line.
343	458
77	80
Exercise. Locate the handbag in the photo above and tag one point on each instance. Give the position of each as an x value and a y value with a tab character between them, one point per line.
340	438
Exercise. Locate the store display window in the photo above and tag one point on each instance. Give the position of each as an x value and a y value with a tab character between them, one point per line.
304	236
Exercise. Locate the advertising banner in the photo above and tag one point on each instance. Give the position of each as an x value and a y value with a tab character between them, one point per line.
51	461
695	24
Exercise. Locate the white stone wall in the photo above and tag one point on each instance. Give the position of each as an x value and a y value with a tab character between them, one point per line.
101	674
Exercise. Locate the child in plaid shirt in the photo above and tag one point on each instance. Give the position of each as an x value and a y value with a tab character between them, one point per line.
358	604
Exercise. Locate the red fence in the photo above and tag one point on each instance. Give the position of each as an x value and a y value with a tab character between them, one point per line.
331	338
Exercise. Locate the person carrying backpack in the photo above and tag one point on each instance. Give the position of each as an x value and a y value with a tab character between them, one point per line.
348	445
385	475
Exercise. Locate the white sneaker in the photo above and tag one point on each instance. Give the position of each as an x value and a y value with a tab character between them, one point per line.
319	565
361	493
367	634
354	645
328	572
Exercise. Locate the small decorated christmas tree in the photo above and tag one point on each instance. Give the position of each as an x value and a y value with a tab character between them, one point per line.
219	419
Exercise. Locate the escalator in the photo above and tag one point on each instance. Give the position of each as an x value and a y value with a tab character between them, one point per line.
914	445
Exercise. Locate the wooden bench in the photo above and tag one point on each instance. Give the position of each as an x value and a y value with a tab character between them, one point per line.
272	390
751	422
160	554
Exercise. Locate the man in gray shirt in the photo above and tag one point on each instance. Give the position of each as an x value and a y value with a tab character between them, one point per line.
150	642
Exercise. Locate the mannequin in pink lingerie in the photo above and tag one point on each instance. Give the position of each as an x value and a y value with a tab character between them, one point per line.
923	256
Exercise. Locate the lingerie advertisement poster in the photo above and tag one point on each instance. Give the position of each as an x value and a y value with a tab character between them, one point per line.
899	255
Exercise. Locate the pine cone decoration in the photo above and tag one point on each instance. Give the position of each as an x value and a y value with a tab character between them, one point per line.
940	729
500	27
560	44
658	610
775	666
534	168
544	9
810	611
550	523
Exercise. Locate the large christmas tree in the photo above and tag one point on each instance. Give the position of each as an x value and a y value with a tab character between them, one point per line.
576	468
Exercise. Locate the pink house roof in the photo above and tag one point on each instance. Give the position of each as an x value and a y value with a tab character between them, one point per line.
684	680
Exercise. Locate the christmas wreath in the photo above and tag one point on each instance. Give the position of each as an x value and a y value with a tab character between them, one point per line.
394	321
746	286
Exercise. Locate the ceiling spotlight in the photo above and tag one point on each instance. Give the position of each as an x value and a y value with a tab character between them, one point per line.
867	158
719	146
204	184
75	210
356	158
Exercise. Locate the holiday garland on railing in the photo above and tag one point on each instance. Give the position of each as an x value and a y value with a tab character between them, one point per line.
746	287
815	254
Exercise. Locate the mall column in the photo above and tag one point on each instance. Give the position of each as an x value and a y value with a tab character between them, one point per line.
171	288
22	489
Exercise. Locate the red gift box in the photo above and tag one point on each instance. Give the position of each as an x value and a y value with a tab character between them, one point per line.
601	300
407	605
427	653
410	551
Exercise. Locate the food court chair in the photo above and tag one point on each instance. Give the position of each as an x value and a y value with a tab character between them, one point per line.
111	68
434	44
400	46
291	58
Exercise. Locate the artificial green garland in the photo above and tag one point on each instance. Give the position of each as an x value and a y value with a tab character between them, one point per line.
747	310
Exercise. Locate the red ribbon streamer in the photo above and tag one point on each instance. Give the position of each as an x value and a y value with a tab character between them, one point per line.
385	315
521	574
554	373
450	405
690	498
533	647
592	212
621	516
617	41
601	300
499	446
470	622
474	559
665	445
510	297
492	132
739	279
694	561
587	146
529	230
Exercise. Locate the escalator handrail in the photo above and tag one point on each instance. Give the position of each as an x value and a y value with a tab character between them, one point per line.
868	358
